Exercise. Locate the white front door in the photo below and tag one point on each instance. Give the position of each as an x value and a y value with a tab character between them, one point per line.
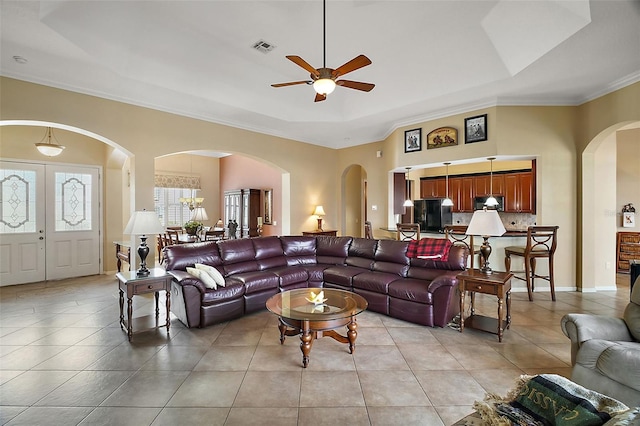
73	225
48	230
22	223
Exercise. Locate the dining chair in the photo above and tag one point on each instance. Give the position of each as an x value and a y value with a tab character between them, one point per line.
541	243
407	231
368	230
173	235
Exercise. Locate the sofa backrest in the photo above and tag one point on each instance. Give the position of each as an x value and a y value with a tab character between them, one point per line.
181	256
238	256
332	250
299	250
390	257
429	268
632	311
362	252
269	252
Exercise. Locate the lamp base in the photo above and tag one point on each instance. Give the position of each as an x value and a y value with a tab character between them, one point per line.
485	252
143	252
320	224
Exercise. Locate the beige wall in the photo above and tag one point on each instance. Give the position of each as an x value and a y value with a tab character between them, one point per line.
555	136
628	174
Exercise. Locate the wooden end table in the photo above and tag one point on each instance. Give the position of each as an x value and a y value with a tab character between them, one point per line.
129	282
497	284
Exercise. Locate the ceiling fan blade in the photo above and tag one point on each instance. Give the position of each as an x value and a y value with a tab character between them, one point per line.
320	97
302	63
358	85
292	83
354	64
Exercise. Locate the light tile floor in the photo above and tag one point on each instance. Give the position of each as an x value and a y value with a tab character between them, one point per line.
64	361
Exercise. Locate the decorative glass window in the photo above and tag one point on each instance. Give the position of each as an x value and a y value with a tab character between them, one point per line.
17	201
72	201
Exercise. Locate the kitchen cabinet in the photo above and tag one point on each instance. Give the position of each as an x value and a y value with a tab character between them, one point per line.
628	248
519	193
461	193
243	206
433	188
482	185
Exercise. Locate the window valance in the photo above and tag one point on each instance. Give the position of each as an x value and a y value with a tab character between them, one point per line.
163	180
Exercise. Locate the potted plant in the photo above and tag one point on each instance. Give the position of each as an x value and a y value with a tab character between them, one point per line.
193	227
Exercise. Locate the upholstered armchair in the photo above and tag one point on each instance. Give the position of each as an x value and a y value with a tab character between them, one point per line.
605	351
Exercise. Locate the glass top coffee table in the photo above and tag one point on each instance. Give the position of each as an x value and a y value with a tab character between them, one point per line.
299	314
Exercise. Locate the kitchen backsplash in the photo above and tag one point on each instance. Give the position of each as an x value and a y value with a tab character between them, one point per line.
511	221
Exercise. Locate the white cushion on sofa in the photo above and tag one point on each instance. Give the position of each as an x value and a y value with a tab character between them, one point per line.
213	273
204	277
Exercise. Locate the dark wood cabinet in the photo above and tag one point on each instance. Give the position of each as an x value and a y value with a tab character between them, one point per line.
519	193
461	193
433	188
628	249
243	206
482	185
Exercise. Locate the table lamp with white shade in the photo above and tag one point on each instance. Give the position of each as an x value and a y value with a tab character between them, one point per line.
319	211
143	223
485	223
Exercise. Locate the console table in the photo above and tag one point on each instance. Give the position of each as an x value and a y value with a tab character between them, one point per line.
497	284
331	233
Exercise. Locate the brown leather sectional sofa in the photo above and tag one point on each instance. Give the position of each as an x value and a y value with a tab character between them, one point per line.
421	291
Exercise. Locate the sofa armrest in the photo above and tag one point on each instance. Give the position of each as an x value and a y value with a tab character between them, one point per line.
582	327
184	278
444	280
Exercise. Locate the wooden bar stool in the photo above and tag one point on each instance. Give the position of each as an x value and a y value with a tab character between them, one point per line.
458	237
541	242
407	231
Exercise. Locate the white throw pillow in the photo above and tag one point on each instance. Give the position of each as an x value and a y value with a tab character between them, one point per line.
213	273
204	277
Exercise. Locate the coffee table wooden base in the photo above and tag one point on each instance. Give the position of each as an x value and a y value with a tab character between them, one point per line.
311	330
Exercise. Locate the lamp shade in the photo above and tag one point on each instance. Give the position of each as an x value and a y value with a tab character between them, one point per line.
319	211
447	202
144	223
407	203
199	214
486	223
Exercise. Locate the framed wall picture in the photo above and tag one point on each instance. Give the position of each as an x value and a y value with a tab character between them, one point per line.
413	140
628	220
441	137
475	129
268	206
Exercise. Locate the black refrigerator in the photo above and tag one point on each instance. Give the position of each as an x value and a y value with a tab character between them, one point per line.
431	215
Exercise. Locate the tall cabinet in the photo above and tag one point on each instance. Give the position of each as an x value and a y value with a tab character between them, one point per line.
243	206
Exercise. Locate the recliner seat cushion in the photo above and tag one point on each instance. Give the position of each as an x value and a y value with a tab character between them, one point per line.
342	275
376	282
412	290
223	294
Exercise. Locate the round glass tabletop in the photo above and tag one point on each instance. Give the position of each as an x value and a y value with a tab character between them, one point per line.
316	304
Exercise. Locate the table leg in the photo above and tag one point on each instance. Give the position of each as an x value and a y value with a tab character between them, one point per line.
306	340
473	302
462	295
119	262
499	319
168	306
157	295
352	334
509	309
283	329
129	315
121	308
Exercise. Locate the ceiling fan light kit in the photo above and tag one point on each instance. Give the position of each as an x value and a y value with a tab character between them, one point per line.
324	79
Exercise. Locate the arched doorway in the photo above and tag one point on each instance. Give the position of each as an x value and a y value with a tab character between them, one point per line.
354	200
600	215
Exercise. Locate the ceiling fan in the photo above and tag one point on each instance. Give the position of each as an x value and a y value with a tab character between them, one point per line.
324	79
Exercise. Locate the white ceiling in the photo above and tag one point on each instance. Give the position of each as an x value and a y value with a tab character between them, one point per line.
430	58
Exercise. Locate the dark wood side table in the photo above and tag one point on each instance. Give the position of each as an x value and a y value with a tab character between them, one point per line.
157	281
331	233
497	284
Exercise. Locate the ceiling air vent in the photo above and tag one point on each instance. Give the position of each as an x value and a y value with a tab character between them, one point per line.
263	46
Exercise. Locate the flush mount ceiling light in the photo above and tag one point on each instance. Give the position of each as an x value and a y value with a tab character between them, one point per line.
491	201
447	201
48	148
